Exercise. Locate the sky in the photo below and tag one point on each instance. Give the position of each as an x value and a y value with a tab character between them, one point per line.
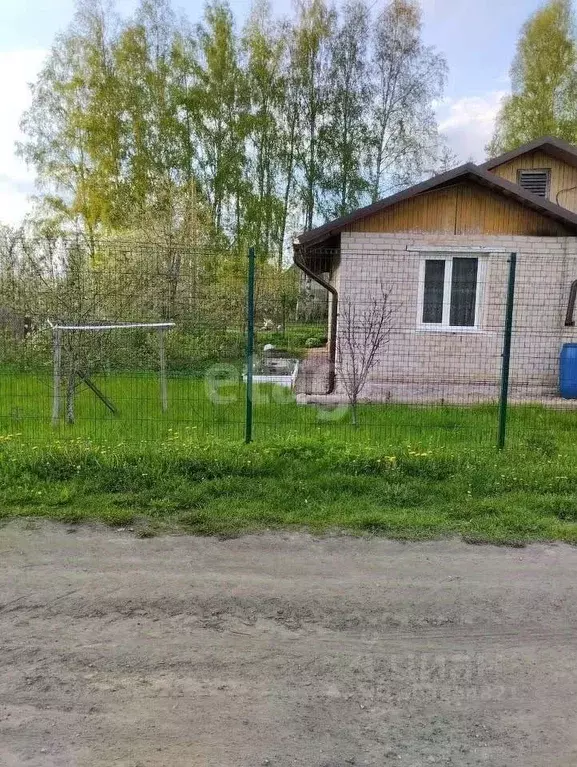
477	37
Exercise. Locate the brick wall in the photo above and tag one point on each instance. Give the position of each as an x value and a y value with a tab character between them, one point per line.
463	364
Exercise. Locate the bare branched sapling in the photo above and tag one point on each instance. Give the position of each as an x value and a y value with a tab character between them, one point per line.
364	330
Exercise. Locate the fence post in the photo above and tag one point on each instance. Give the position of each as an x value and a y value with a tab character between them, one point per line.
57	375
503	399
162	365
249	346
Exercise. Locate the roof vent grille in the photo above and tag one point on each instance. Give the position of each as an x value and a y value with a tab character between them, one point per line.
535	181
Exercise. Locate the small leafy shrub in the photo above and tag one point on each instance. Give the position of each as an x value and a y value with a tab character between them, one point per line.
294	338
187	351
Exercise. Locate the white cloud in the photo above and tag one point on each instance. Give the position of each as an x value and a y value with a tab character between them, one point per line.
468	123
17	70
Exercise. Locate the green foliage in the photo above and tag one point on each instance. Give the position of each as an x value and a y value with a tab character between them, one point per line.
194	352
409	77
544	80
293	339
216	103
34	353
135	351
147	127
310	62
264	48
349	102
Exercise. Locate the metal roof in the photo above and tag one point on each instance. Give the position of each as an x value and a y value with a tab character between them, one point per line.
554	147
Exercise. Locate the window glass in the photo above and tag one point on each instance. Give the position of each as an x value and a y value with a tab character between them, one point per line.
433	295
463	291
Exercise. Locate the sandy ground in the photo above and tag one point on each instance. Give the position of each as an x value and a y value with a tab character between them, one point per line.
283	650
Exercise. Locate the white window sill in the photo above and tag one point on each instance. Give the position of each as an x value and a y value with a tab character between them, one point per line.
452	329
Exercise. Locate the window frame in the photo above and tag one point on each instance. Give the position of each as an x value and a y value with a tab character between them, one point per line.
444	326
546	171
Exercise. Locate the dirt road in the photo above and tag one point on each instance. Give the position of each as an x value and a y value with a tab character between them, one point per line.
283	650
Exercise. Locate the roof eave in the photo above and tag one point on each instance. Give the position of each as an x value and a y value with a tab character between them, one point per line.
555	147
469	171
338	224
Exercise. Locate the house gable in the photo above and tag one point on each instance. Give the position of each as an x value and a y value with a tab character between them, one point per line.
562	175
468	199
464	208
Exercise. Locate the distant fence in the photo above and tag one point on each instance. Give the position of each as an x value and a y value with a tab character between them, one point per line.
135	342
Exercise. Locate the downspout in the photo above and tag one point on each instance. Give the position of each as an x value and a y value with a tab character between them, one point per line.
335	304
569	318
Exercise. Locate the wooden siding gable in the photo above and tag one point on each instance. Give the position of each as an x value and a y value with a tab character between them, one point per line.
465	208
563	181
482	203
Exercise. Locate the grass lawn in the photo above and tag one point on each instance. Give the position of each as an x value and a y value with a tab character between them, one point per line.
214	406
409	472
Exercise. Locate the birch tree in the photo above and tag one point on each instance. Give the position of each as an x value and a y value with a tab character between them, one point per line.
264	48
348	103
148	127
72	128
218	107
544	81
312	34
408	77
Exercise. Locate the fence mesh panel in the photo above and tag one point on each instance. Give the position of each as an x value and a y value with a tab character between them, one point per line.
405	344
396	346
111	382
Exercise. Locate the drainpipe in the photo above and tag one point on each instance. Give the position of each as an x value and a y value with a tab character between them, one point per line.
569	318
335	304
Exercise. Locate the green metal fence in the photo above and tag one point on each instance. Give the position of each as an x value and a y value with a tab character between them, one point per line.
129	342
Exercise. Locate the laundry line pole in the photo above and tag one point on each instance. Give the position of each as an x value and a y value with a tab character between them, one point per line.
162	360
57	376
57	335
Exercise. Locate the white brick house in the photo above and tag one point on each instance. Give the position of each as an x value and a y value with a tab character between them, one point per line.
441	252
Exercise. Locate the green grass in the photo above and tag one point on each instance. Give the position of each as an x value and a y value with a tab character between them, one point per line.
216	407
406	472
221	488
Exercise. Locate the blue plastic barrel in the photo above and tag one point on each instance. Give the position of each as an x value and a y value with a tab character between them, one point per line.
568	371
